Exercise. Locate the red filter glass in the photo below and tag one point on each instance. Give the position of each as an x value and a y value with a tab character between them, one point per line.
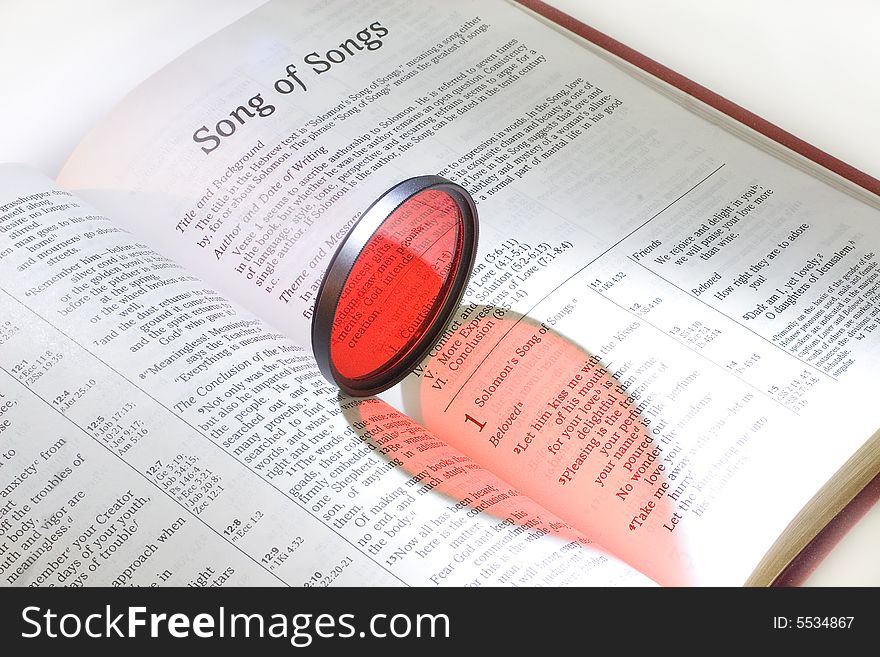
382	304
396	285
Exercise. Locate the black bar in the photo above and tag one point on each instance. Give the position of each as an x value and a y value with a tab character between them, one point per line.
614	621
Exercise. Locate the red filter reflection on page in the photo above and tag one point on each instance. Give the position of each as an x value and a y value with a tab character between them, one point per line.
548	417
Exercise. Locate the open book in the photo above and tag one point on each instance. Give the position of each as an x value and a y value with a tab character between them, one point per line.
657	374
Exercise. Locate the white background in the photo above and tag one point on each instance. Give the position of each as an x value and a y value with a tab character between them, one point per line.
810	67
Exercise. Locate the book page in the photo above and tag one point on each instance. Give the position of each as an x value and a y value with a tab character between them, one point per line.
153	433
665	324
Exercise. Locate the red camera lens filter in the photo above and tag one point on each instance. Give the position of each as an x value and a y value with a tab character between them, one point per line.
393	283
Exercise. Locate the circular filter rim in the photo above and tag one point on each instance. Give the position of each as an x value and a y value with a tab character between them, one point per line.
343	261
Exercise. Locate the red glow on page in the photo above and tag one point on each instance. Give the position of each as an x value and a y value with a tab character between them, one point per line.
432	464
548	417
